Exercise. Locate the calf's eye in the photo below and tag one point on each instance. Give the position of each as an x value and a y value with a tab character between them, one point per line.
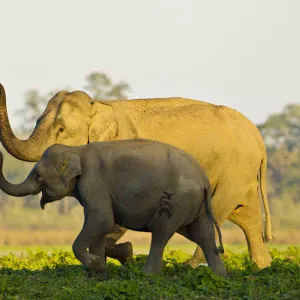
38	178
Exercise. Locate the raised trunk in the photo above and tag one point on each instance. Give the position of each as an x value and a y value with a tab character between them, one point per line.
28	187
26	150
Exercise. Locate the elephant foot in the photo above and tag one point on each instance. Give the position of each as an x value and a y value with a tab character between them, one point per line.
194	262
122	252
262	263
96	268
99	274
148	271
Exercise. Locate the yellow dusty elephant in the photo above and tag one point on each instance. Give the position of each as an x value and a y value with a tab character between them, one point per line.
230	148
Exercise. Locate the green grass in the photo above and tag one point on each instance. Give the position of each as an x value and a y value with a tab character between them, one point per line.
56	274
19	249
138	248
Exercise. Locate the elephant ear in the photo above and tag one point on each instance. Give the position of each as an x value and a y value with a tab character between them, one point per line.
70	167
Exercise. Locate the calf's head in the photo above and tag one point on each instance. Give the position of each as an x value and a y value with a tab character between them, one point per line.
54	175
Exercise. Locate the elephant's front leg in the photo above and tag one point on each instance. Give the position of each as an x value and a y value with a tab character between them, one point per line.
92	236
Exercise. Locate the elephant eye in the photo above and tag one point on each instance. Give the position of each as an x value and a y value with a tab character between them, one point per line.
61	129
38	178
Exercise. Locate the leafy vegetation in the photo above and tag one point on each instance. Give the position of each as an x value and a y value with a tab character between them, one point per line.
38	275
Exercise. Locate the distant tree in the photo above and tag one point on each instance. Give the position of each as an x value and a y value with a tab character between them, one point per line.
101	87
282	129
281	134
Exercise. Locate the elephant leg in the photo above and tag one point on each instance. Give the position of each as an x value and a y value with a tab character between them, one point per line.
93	230
154	262
224	201
221	215
203	234
201	231
248	217
162	228
198	256
122	252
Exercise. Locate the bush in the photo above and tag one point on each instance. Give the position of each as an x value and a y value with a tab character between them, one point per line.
38	275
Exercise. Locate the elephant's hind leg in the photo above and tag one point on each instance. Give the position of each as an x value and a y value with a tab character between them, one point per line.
201	231
123	251
159	241
248	217
222	208
162	227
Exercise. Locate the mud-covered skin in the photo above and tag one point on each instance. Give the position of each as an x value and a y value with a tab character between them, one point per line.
139	184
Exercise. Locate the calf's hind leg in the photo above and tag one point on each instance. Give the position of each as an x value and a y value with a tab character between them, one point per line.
201	231
154	260
162	225
123	251
223	203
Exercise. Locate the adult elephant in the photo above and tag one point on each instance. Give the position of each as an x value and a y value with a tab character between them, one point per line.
229	147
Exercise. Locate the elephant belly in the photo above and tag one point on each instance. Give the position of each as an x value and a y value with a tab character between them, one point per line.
135	216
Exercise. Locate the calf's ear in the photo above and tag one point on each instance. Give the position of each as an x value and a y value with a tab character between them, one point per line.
70	167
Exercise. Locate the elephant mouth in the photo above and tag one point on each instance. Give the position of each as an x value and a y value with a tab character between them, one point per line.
46	199
37	191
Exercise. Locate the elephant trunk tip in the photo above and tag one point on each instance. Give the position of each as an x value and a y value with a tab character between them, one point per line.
42	205
2	90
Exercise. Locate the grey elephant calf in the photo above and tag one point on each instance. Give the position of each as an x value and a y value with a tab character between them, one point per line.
140	184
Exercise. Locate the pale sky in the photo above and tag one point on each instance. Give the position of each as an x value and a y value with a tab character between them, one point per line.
243	54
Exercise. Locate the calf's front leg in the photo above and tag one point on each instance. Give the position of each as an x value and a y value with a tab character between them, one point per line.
92	235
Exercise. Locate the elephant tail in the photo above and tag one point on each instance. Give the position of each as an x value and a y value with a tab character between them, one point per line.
263	197
209	211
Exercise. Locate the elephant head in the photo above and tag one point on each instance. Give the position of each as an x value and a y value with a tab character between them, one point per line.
54	175
64	121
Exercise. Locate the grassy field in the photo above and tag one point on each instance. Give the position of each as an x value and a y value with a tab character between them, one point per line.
53	273
37	264
231	236
188	248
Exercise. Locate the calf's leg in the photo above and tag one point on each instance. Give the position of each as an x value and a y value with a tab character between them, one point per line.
201	231
92	236
154	260
123	252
